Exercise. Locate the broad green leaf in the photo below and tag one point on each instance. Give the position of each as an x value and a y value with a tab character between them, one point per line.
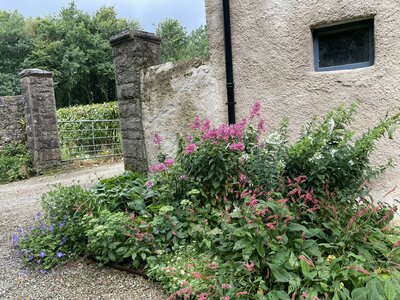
280	274
360	294
260	248
390	290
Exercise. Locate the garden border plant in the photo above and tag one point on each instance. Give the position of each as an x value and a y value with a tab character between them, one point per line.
239	215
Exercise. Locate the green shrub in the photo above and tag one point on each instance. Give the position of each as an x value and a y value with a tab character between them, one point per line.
15	162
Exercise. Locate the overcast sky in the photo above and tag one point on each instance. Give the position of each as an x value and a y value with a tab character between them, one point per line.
149	13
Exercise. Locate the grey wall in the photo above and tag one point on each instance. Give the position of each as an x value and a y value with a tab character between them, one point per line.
11	119
273	63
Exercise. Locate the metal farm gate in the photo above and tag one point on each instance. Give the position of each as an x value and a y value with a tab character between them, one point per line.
89	139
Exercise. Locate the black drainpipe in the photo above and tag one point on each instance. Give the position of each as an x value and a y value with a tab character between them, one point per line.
229	63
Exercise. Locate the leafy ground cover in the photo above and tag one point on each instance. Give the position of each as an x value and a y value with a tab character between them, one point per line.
15	162
238	214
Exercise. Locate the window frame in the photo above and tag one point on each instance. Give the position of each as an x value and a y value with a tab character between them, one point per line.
316	33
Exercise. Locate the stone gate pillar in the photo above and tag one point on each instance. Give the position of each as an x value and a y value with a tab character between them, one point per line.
133	51
40	118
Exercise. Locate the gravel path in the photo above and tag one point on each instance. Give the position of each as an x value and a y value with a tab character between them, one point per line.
76	280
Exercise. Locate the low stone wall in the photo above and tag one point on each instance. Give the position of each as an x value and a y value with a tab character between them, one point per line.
12	127
172	96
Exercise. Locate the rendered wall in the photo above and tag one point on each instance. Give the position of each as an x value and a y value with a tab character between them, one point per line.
11	119
273	63
172	96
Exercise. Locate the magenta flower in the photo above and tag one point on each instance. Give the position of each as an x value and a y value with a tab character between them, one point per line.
261	125
169	162
203	296
158	167
255	110
242	178
206	125
237	147
157	138
196	124
189	149
149	184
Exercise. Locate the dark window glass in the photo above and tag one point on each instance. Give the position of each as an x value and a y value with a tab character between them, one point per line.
344	46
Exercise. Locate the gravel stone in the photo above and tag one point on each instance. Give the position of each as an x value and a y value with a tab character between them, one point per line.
79	279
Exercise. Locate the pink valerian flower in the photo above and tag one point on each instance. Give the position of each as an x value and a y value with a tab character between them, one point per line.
183	177
206	125
255	110
242	178
261	126
157	139
197	123
250	266
133	216
388	214
225	298
308	261
169	162
158	167
237	147
241	293
149	184
226	286
189	138
301	179
189	149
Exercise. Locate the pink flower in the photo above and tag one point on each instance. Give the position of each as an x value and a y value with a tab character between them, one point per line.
226	286
261	125
196	124
196	275
309	262
203	296
213	265
189	138
237	147
255	110
149	183
133	216
206	125
169	162
242	178
225	298
241	293
250	266
270	225
157	138
158	168
183	177
190	149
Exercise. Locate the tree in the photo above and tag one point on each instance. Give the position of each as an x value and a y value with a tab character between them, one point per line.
15	45
75	47
174	40
177	45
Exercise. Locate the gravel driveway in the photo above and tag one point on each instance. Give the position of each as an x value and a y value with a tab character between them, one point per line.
76	280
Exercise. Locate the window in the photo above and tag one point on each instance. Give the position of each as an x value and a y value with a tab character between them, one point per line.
345	46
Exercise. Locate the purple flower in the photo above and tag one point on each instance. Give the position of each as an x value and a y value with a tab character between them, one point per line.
62	224
41	271
30	258
59	254
237	147
51	227
42	254
63	239
38	214
15	239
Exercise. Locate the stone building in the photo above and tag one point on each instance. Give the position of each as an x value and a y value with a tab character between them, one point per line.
303	58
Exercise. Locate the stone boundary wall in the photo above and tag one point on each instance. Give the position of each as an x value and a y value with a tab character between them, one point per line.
173	94
158	98
11	119
32	118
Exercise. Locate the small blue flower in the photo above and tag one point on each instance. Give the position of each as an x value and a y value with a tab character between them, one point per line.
59	254
42	254
63	239
30	257
62	224
42	271
38	214
51	227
